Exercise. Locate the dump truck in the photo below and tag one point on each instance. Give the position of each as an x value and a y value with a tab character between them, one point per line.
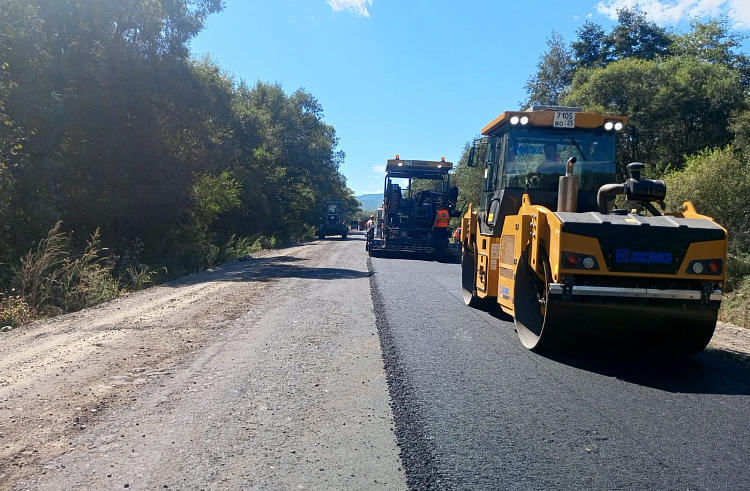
333	222
547	243
418	202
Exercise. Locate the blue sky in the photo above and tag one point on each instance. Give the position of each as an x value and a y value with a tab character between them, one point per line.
415	78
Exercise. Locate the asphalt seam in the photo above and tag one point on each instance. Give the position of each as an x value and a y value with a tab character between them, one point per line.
417	451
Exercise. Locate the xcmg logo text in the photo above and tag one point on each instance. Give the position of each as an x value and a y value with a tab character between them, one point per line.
643	257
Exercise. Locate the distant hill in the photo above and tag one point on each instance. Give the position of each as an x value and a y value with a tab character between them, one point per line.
371	202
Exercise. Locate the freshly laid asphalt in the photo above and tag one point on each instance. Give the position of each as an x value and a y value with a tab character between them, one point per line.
475	410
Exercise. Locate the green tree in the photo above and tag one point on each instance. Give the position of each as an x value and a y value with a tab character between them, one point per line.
714	42
468	179
171	157
717	181
554	73
676	107
590	51
632	37
635	37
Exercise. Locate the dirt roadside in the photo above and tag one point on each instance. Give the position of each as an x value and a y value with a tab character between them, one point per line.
733	340
262	374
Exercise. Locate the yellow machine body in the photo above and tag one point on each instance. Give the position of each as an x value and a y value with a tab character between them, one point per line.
586	276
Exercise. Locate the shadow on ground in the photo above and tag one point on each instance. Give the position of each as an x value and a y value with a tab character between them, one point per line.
267	269
713	371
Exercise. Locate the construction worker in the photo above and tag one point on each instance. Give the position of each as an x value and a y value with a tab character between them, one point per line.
553	164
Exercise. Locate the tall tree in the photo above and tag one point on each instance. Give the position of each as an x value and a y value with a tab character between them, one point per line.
554	73
632	37
676	107
714	42
635	37
590	50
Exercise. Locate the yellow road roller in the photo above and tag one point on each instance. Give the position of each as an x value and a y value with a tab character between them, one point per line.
549	245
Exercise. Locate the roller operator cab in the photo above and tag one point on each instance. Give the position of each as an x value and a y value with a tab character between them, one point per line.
546	242
333	222
418	202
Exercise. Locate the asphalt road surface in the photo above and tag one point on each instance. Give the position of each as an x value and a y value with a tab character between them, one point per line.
476	411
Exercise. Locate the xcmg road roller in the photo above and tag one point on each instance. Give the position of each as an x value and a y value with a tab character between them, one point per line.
547	243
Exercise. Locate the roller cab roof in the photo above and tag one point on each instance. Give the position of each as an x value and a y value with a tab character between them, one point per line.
551	117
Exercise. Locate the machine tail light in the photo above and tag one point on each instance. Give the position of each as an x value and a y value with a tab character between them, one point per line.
574	260
706	266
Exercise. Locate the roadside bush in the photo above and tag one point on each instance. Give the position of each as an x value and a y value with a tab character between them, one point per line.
50	281
718	183
86	281
738	269
735	306
14	312
41	269
139	277
243	246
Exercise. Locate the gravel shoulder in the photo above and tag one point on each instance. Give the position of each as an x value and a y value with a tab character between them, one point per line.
262	374
733	340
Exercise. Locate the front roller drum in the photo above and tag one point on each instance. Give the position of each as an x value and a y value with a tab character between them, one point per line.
547	323
530	312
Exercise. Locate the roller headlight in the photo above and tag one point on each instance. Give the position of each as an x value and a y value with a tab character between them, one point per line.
618	126
609	125
514	120
524	119
588	262
697	267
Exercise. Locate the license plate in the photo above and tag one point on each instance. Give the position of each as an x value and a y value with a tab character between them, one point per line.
565	119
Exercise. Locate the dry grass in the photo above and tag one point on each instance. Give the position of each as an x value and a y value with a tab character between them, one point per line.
51	281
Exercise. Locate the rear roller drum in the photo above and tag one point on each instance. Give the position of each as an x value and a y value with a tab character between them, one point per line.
469	282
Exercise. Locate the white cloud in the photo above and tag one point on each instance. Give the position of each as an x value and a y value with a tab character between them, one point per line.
665	12
739	12
380	169
356	6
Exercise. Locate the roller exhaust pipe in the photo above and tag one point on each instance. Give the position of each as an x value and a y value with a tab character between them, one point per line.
567	194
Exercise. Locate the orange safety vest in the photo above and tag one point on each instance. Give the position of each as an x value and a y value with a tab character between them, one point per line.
442	220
